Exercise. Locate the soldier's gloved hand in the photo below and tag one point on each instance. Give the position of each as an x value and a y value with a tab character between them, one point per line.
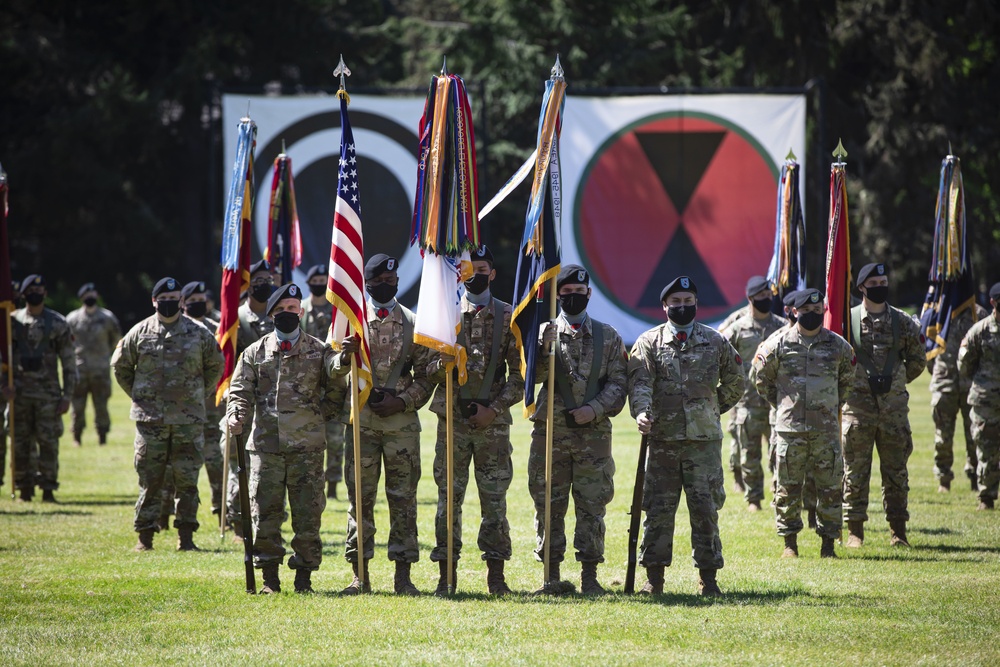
548	334
63	406
8	392
483	416
644	422
388	406
349	346
235	425
584	414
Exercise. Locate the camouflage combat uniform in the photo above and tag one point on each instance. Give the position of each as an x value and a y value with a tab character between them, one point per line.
286	396
40	346
95	336
489	449
731	427
684	387
949	397
979	362
400	365
168	370
750	416
880	421
316	322
807	379
582	461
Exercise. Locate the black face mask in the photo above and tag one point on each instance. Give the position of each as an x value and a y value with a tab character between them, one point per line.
877	294
762	305
196	309
573	304
168	308
286	322
478	283
811	320
382	293
90	301
317	290
261	292
34	298
682	315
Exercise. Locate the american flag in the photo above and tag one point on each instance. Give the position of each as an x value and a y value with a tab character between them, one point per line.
346	283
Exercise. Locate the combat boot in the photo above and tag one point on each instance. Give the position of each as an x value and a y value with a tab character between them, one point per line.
791	547
855	534
355	587
237	531
753	506
826	550
331	490
811	514
973	483
442	588
302	581
272	584
588	579
707	585
984	504
145	542
654	581
401	581
897	534
48	496
548	588
102	437
27	493
185	540
944	486
738	486
164	522
495	582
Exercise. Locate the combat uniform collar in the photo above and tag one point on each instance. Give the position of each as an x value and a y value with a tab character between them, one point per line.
248	311
469	307
823	336
273	345
395	313
586	327
874	316
697	336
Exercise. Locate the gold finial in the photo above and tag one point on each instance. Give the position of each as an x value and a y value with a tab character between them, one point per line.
791	156
557	73
839	152
342	71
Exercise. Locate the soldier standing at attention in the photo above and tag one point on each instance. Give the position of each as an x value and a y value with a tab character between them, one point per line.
890	353
167	364
979	362
591	387
481	422
731	427
751	412
390	427
282	386
95	333
682	376
41	342
806	372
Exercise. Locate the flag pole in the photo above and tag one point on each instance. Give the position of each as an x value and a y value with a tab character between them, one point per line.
10	404
225	486
358	500
450	474
549	417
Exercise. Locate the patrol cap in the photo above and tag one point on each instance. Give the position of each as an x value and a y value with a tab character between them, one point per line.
194	287
34	280
995	292
806	297
84	288
262	265
869	270
678	284
286	291
572	274
379	264
789	298
482	254
165	285
757	284
318	270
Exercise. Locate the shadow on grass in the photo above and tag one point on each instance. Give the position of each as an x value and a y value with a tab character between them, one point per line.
100	503
929	553
42	512
935	531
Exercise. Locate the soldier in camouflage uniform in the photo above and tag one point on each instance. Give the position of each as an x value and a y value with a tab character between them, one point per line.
890	354
591	387
167	364
682	376
317	315
95	333
732	429
949	397
806	373
750	415
979	363
41	342
390	428
282	385
481	421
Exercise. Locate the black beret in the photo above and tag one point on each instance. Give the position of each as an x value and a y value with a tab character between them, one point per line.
679	284
869	270
572	274
789	298
34	280
286	291
194	287
379	264
262	265
482	254
807	296
84	288
318	270
995	291
165	285
757	284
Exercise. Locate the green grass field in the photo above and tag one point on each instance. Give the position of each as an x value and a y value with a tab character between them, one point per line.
73	591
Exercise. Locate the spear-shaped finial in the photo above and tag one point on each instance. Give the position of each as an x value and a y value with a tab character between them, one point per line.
791	156
246	119
950	152
282	145
343	72
444	65
839	152
557	72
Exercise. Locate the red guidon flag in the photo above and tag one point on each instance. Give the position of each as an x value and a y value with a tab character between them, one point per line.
838	257
345	287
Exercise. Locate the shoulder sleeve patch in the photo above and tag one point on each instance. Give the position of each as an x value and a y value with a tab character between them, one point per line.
854	360
739	359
